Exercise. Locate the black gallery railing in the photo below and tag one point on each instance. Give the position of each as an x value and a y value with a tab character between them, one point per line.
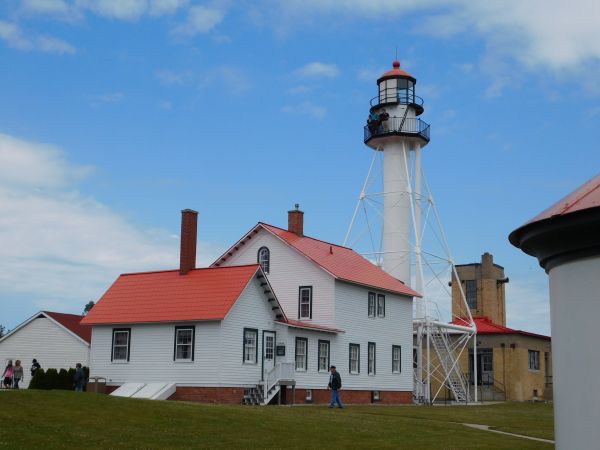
397	125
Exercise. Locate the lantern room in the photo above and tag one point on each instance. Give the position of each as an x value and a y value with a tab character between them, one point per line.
397	86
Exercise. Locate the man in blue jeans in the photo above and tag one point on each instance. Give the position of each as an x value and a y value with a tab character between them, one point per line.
335	384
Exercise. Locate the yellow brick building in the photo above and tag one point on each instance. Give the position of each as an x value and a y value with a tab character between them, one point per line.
511	364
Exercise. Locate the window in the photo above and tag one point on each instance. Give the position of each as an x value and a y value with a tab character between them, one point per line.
250	346
534	360
301	354
305	302
396	358
354	363
323	356
372	358
471	294
184	343
264	258
381	305
121	339
372	301
269	346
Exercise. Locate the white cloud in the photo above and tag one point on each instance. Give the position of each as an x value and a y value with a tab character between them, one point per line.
169	77
200	19
164	7
57	7
318	70
12	34
306	108
116	9
61	248
113	97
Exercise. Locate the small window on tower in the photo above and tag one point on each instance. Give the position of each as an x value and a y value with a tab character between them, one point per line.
264	258
471	293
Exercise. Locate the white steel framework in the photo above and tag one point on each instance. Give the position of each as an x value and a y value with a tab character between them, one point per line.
397	226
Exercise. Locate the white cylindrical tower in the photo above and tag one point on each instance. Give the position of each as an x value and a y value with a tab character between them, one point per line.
566	241
394	128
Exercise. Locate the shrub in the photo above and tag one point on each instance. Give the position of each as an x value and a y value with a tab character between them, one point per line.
51	379
64	381
38	380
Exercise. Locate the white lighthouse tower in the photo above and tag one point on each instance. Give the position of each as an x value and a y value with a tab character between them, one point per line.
395	129
398	194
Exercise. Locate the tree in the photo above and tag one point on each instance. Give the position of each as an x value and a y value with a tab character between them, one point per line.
2	331
89	305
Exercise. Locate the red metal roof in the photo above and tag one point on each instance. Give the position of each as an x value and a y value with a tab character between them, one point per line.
584	197
72	323
342	262
396	71
167	296
486	326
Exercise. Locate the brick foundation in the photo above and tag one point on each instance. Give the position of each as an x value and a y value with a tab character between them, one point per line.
234	396
321	396
221	395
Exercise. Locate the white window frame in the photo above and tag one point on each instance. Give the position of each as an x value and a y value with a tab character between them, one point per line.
265	263
372	304
250	350
396	362
323	359
127	346
534	357
380	305
302	363
303	301
190	344
371	358
354	359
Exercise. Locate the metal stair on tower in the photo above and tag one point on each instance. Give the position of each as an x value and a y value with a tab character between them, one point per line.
449	364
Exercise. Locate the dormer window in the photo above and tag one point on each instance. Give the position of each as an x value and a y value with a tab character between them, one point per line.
264	258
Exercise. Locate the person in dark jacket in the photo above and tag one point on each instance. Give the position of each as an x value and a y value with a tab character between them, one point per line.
335	384
79	378
35	365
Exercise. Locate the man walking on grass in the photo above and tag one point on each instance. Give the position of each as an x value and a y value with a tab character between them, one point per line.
335	384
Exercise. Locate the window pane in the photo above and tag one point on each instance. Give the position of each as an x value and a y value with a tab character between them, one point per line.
471	294
269	347
323	355
250	346
121	337
354	355
184	336
381	305
120	353
396	353
264	258
300	354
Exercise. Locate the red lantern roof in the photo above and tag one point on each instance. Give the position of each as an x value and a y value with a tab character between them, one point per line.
396	72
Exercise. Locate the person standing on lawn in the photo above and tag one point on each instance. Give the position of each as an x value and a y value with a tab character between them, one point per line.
17	374
335	384
35	365
7	375
79	378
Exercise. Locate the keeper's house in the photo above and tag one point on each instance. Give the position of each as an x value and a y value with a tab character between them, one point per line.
275	311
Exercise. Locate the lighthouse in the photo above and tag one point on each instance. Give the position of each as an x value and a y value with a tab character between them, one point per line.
394	128
404	207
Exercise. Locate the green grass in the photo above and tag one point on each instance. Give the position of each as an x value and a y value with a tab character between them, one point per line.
59	419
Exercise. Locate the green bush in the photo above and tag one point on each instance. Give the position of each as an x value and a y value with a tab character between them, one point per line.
71	378
64	381
38	380
51	379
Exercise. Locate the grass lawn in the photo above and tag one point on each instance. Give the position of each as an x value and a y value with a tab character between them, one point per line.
60	419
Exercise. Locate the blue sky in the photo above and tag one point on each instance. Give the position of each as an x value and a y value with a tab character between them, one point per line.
115	115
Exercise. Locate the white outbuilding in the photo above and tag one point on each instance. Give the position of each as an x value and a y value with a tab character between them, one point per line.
56	340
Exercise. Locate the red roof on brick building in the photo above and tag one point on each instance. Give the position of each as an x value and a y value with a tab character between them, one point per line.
342	263
72	323
167	296
486	326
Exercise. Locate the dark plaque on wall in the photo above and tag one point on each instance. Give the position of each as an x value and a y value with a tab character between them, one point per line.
281	350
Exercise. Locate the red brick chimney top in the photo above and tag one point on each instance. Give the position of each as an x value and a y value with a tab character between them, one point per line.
189	230
296	221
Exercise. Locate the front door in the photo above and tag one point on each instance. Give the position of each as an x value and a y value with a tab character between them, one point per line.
268	351
485	366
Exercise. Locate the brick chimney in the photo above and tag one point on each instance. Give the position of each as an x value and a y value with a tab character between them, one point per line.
189	227
296	221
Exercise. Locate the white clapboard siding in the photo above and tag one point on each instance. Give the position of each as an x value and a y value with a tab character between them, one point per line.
49	343
393	329
253	310
352	318
289	270
217	355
